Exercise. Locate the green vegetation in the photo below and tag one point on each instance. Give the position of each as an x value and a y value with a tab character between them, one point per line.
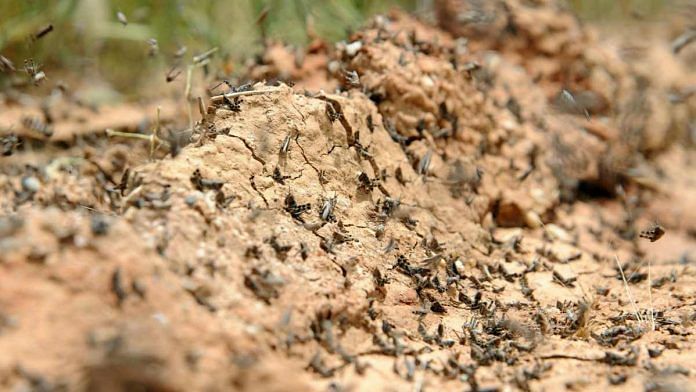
89	40
87	33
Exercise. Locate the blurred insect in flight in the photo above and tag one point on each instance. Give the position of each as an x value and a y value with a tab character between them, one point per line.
122	18
34	71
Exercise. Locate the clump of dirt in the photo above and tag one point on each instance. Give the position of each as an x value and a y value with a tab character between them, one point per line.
435	223
308	67
606	77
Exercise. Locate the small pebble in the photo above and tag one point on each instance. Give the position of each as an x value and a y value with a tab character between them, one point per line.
161	318
30	184
353	48
190	200
99	225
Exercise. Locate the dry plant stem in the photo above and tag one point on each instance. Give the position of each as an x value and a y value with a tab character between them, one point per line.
158	123
198	61
96	210
187	94
652	309
187	89
155	133
221	98
203	56
628	290
201	109
190	114
153	138
128	135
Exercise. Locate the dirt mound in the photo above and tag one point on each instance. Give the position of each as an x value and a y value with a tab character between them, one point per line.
607	77
438	222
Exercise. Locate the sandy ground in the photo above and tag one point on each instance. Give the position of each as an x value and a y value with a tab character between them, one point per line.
447	217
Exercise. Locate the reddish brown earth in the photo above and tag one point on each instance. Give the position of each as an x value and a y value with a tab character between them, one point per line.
445	221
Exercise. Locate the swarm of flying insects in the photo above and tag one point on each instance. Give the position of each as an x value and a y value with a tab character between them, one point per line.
450	199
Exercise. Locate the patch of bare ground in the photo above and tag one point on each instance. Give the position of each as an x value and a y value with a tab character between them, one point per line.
464	214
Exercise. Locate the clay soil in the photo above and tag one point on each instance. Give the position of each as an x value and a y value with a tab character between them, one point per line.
427	206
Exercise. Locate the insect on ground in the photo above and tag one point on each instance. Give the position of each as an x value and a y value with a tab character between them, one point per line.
653	233
35	124
285	146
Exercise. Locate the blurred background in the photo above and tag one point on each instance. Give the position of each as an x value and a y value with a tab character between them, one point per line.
108	40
